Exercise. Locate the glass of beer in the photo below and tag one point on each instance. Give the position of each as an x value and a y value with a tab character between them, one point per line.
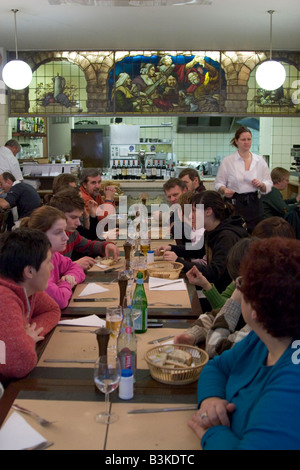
113	321
140	265
145	246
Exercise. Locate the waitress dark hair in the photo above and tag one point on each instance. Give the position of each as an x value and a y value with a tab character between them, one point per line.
221	208
237	134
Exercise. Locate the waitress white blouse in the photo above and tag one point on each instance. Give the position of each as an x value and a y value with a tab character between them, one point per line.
232	174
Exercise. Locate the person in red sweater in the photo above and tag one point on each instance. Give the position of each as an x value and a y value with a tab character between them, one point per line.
80	249
27	313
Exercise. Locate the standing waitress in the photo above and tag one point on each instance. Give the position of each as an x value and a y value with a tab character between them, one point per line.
241	176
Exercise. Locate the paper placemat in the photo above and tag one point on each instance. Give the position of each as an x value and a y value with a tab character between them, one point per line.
150	431
156	298
65	344
75	427
111	292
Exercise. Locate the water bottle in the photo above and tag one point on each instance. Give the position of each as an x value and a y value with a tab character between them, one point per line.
139	302
126	344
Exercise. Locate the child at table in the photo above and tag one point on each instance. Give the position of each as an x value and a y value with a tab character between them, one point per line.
65	274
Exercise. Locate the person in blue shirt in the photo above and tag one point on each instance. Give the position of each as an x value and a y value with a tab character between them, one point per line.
249	395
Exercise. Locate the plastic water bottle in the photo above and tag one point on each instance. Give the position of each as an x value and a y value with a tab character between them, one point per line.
126	345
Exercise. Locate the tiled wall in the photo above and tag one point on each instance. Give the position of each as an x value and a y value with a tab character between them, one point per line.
189	147
286	133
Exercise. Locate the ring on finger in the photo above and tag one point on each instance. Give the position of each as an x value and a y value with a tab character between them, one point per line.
203	415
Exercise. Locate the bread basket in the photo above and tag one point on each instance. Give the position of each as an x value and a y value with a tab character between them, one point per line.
165	269
177	376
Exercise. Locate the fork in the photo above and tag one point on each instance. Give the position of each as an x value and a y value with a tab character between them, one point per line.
42	446
42	421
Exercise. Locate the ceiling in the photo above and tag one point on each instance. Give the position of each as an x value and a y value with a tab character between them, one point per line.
223	25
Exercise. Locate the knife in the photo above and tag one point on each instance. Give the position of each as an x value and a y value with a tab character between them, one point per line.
167	284
160	410
160	339
77	331
75	361
106	299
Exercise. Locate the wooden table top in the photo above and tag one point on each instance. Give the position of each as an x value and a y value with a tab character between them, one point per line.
69	390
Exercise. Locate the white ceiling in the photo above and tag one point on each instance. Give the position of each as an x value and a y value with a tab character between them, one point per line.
223	25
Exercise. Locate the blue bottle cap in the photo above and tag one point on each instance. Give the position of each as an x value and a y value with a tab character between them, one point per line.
126	373
150	251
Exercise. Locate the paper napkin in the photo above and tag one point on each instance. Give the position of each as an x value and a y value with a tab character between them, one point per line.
90	320
92	288
17	434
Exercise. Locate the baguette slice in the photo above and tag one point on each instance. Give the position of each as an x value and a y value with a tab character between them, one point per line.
180	356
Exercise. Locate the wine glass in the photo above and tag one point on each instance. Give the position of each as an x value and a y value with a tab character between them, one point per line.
107	374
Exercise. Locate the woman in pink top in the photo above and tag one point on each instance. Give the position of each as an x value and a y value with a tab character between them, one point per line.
65	274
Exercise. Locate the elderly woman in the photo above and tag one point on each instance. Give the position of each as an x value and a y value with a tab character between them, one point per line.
249	396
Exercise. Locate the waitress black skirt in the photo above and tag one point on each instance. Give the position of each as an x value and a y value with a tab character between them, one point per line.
250	207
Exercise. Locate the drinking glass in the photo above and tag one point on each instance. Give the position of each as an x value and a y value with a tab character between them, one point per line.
140	265
107	374
113	321
145	246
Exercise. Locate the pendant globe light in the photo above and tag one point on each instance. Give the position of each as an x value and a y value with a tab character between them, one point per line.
16	74
270	75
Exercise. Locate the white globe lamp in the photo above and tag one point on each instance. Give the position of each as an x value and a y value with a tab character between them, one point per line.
16	74
271	74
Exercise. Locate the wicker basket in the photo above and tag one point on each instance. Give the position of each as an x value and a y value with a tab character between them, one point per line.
177	376
165	269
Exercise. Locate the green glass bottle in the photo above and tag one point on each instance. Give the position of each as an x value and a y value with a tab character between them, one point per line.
139	302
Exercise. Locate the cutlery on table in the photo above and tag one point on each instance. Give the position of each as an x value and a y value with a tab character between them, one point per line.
71	361
42	421
168	284
42	446
160	410
164	303
159	340
106	299
77	331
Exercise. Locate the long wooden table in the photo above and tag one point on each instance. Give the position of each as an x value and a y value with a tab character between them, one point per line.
65	391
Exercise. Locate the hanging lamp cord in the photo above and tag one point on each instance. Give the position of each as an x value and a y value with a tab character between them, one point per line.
271	35
16	43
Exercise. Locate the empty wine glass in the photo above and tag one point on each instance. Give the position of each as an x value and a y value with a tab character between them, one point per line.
107	374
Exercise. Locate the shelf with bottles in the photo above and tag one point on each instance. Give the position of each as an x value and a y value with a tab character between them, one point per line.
29	127
156	169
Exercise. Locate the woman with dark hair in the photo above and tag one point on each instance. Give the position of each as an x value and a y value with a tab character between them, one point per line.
27	313
222	231
241	176
249	396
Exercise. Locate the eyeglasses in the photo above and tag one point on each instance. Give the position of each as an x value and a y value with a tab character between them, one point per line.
238	282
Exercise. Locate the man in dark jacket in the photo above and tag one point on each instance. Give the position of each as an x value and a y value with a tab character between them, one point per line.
20	195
